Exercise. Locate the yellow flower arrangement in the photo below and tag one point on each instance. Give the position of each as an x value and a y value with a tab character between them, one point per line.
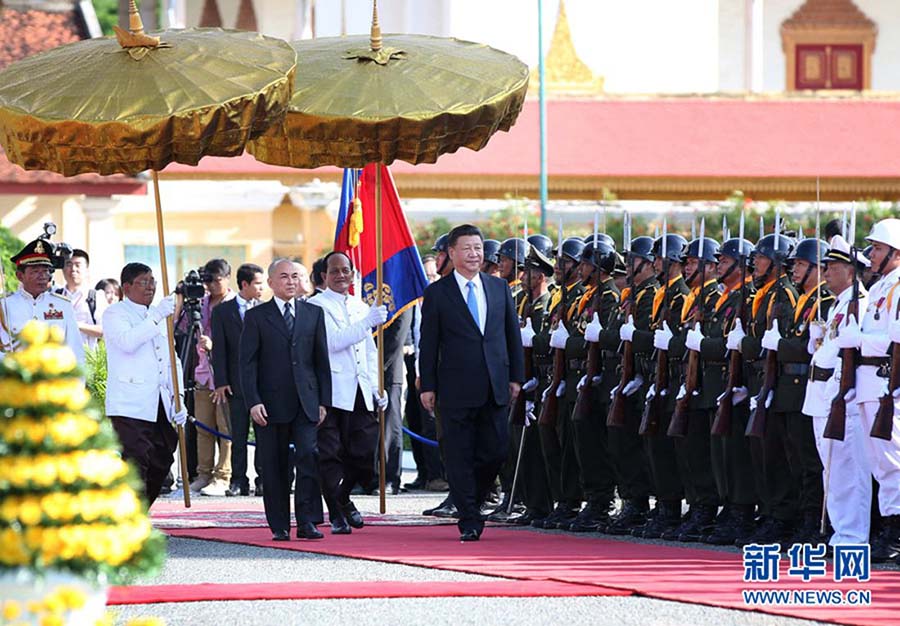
67	498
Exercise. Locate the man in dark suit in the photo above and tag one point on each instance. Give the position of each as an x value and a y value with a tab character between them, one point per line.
286	381
226	323
471	367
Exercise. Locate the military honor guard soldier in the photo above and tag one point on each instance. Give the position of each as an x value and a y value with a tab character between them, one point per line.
34	300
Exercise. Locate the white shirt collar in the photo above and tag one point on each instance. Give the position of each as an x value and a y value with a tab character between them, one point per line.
329	293
462	281
891	278
242	302
30	297
281	304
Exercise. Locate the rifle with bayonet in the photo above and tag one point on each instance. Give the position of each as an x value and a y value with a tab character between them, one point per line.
655	406
883	425
550	405
678	425
616	415
517	411
585	398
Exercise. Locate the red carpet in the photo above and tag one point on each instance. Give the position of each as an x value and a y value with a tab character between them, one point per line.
151	594
673	573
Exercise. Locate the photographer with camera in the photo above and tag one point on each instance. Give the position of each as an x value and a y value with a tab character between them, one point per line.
195	321
34	300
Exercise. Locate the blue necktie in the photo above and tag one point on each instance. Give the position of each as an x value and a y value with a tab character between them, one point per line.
288	316
472	303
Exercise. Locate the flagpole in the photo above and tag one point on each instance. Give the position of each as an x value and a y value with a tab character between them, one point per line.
379	288
542	105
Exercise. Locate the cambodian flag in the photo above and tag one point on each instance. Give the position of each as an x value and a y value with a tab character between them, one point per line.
404	276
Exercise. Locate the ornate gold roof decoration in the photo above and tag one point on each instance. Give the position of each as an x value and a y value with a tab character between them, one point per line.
564	71
826	14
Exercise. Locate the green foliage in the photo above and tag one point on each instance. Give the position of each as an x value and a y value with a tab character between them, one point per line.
95	363
107	14
425	234
9	245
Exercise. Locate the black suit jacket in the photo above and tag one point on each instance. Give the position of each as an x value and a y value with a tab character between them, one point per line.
464	367
288	373
226	326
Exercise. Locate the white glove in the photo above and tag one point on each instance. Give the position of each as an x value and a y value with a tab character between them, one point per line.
164	309
662	337
180	417
530	385
528	334
754	401
613	392
769	398
592	330
581	383
771	337
694	337
832	389
849	335
545	395
633	386
816	331
894	330
682	392
561	389
558	337
376	315
381	401
530	417
738	395
651	391
735	337
626	332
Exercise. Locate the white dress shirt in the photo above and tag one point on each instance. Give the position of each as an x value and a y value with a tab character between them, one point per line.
246	305
281	304
875	340
480	297
20	307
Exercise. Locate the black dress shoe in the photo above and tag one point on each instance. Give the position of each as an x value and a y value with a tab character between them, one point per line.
258	491
340	527
354	517
308	531
281	535
469	535
418	483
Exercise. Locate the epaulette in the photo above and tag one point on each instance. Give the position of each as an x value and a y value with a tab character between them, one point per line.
61	296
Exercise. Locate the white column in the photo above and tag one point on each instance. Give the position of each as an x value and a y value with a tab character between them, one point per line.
754	48
103	243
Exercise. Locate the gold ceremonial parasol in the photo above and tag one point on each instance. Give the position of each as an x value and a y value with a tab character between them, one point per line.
361	100
140	102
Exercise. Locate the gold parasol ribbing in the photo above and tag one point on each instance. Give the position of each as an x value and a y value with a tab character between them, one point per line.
362	100
140	102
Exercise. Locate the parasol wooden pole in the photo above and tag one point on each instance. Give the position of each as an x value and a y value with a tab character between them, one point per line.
379	284
170	328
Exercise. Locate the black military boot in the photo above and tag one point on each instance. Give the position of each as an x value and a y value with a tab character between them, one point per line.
668	517
633	514
772	530
594	517
807	531
700	523
563	513
886	544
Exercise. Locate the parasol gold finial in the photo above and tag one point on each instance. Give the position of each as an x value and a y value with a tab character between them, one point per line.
136	38
376	28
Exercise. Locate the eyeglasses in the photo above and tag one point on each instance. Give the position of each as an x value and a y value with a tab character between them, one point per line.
145	282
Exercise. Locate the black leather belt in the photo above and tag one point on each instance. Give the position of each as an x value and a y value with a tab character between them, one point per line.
576	364
759	365
877	361
820	374
795	369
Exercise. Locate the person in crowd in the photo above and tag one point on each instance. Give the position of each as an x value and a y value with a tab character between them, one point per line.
34	301
227	321
470	341
110	288
140	400
318	275
88	309
348	438
286	382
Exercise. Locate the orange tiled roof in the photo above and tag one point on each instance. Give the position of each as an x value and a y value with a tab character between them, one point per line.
27	31
828	13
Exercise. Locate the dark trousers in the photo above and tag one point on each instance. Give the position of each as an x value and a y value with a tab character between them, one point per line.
474	443
695	460
804	461
569	471
272	445
393	436
149	446
780	492
741	484
532	485
239	422
627	453
348	441
663	461
412	413
592	446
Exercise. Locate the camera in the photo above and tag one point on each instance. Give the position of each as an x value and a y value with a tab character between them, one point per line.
60	252
191	288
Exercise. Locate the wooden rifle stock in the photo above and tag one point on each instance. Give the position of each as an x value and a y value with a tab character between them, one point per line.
721	425
585	400
517	410
678	425
616	415
836	425
883	425
756	427
550	406
654	407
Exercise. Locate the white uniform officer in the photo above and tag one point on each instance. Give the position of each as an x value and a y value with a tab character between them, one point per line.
35	301
848	476
873	342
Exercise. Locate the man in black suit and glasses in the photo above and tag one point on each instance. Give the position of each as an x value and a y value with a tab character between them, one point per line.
471	367
286	380
227	321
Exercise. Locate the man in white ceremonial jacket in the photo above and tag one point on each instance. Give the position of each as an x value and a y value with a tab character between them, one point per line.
872	338
348	437
140	400
848	477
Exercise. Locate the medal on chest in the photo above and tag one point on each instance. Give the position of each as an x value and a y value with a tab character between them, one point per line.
878	308
53	313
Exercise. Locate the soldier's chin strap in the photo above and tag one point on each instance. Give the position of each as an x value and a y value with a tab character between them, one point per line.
443	266
884	261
